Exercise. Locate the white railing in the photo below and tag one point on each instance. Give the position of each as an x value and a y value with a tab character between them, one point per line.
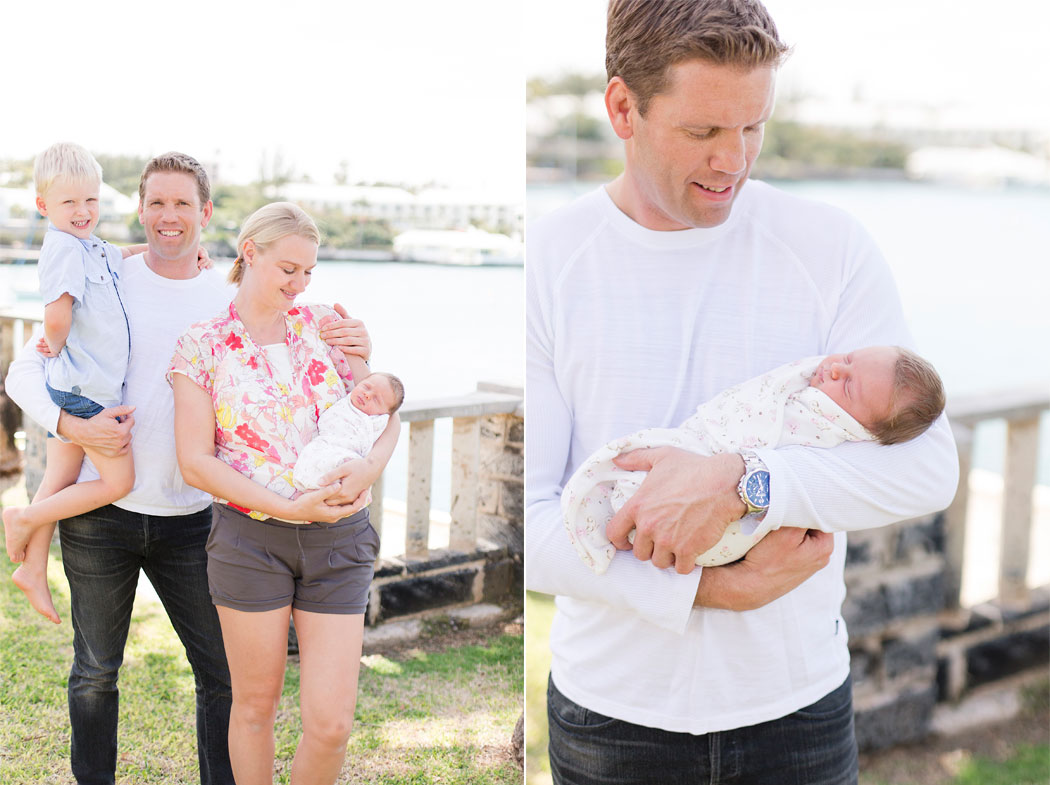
1021	408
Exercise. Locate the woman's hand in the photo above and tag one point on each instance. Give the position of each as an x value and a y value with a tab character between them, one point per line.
351	480
350	335
313	506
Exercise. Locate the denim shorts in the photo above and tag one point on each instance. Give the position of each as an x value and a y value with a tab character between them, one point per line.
264	565
74	404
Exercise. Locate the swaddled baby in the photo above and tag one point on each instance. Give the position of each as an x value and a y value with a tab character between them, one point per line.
348	429
882	393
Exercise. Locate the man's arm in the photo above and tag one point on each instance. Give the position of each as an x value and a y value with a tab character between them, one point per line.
25	386
852	486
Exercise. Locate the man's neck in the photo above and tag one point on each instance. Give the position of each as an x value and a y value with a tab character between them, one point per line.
176	269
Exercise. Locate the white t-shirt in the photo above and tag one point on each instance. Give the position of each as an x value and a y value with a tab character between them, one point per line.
159	311
626	329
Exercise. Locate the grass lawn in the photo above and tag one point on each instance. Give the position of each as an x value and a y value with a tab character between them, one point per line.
539	611
424	715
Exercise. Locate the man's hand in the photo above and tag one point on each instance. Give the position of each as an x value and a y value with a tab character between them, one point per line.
350	335
681	509
108	432
781	561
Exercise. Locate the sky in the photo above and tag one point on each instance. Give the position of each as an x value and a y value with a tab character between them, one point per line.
413	91
983	61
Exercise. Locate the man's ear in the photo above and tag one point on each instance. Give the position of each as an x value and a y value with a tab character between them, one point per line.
619	101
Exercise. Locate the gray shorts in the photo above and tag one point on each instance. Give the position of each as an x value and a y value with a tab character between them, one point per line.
264	565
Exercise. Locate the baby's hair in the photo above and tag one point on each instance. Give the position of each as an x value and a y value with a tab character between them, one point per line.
397	387
918	399
64	161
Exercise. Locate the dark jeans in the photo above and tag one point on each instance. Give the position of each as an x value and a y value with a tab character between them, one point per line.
813	746
102	553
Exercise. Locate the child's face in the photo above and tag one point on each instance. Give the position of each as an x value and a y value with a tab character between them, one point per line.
861	382
373	395
71	206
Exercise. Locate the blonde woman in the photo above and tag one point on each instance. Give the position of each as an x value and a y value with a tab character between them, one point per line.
249	388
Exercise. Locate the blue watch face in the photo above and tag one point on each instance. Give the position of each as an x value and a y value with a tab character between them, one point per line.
757	488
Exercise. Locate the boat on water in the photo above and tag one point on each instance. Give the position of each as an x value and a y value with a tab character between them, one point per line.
467	247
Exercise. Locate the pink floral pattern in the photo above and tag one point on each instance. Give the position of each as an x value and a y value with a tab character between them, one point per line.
262	423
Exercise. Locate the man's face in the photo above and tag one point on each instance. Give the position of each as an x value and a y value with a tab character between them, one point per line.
172	215
688	158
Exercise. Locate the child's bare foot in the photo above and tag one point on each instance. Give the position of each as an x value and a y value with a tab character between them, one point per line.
37	591
16	533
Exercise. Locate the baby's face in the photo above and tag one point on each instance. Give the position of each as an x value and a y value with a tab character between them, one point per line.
861	382
373	395
71	206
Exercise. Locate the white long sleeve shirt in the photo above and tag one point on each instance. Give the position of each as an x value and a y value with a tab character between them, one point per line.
159	311
629	328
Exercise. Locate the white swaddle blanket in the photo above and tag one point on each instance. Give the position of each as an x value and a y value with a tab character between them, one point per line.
775	409
344	432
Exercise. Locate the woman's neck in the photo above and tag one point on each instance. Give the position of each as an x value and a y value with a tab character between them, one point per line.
264	325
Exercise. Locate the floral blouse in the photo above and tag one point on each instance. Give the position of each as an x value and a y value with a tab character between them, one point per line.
261	422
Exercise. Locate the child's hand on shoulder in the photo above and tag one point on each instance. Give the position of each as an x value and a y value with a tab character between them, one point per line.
204	261
44	349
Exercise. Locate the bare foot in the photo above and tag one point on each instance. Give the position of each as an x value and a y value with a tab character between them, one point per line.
37	592
16	533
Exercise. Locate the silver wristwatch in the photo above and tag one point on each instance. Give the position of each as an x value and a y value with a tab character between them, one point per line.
754	485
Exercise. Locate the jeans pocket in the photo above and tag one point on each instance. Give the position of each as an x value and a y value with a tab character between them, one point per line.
571	716
837	703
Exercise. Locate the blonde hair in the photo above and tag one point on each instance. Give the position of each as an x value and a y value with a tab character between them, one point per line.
64	161
269	224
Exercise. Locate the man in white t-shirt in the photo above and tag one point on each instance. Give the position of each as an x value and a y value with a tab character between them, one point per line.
162	526
661	672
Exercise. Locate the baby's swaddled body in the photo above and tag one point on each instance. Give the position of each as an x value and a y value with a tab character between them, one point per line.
344	433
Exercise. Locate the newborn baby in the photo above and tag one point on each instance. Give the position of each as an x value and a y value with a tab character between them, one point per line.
879	393
348	429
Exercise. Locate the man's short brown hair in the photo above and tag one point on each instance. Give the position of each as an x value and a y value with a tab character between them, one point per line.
918	400
644	38
177	162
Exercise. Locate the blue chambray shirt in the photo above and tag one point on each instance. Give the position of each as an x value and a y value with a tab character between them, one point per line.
94	361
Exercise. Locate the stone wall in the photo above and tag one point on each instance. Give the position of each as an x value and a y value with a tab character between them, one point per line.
894	592
907	653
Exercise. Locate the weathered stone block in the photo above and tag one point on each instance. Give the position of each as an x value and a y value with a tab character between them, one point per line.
905	718
425	592
916	539
901	655
512	499
516	431
1010	653
436	559
503	582
919	595
862	666
502	464
858	554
